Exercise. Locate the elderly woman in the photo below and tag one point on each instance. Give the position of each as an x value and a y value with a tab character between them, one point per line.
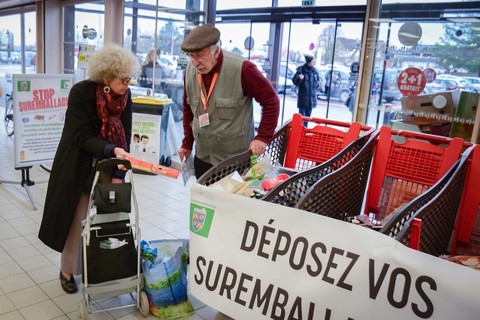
98	125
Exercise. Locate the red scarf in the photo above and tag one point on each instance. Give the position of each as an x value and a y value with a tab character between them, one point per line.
109	109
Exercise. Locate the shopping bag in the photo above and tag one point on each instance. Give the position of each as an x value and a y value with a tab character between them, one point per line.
164	264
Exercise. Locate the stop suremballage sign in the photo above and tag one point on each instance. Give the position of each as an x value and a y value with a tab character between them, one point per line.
411	82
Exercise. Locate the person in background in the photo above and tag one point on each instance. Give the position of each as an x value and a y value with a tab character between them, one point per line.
217	102
98	125
146	77
307	81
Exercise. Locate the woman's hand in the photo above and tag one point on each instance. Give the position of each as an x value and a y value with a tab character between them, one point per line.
121	154
117	180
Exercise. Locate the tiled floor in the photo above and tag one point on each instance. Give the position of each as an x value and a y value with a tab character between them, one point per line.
29	285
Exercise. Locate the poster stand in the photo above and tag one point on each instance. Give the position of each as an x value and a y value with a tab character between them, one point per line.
39	105
25	183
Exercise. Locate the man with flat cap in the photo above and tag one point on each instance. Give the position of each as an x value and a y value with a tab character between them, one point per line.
218	102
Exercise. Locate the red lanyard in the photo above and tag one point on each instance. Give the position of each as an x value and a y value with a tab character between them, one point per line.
202	94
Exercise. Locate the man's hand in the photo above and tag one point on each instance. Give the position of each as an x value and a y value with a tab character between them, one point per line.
257	147
183	154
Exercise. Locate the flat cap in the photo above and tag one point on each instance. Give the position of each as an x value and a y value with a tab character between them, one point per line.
201	37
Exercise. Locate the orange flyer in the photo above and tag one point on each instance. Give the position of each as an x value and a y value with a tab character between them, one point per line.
153	168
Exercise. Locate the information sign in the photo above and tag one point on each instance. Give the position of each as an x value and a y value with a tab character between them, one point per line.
411	82
39	105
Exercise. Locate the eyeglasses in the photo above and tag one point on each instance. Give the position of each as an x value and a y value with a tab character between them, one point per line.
125	80
199	56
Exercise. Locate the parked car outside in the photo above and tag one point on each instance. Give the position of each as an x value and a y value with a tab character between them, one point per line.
340	86
285	84
390	90
474	83
168	65
448	83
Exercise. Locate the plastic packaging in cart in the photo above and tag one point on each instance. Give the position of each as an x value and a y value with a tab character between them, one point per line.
270	183
229	182
258	168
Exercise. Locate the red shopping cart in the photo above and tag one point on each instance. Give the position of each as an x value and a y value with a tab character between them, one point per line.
296	146
405	165
436	210
467	235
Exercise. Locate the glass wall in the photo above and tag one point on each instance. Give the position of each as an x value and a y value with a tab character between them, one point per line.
84	26
440	38
423	49
154	31
17	48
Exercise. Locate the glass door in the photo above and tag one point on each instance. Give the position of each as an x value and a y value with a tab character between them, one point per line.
251	41
336	47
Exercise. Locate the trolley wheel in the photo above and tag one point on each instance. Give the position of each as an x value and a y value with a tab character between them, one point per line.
83	309
143	307
162	160
168	162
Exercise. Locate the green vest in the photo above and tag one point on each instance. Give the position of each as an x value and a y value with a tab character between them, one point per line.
230	113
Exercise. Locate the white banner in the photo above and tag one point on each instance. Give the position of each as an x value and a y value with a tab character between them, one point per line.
252	259
39	105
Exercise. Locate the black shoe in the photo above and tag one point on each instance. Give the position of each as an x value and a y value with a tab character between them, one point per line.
69	286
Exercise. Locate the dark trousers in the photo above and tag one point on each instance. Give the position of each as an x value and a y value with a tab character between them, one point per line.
200	167
306	112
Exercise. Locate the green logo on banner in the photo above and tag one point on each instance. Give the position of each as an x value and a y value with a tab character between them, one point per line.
23	86
201	218
64	84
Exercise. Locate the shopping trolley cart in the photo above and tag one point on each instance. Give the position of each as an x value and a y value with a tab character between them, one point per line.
434	211
111	259
405	164
296	146
290	191
467	234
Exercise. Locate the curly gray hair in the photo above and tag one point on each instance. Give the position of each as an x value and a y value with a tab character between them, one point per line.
112	61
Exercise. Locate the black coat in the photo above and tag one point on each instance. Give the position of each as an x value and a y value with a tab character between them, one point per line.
72	171
306	88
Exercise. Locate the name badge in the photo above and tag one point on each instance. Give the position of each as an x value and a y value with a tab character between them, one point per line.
204	120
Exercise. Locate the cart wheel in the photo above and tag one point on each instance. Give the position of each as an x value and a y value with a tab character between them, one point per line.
162	160
144	307
83	309
168	162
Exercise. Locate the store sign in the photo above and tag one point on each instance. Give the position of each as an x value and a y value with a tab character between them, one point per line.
411	82
308	3
145	142
430	74
39	105
252	259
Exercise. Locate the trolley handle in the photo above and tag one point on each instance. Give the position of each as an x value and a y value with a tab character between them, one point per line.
333	123
111	162
427	136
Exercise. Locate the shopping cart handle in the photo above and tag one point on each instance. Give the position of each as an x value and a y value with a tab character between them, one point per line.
111	162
